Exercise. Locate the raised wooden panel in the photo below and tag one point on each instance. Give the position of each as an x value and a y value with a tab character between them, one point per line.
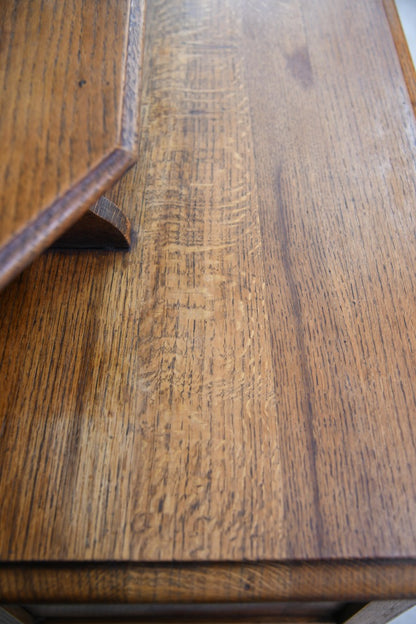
70	81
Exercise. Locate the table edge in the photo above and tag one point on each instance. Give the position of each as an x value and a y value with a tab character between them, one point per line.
128	583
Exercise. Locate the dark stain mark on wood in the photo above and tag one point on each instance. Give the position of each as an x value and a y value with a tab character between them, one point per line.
299	65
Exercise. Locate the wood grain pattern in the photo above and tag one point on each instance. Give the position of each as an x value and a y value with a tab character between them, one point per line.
335	176
179	582
69	74
188	298
240	387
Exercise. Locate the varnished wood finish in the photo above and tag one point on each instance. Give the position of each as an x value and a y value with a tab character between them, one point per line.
335	162
69	76
103	226
240	387
180	582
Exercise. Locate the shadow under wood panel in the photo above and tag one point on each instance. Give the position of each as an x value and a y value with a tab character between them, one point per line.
223	613
294	613
69	81
103	226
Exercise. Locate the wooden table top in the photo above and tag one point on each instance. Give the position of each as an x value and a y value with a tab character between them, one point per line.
68	115
230	406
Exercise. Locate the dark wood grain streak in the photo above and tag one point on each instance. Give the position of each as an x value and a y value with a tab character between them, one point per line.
334	155
69	115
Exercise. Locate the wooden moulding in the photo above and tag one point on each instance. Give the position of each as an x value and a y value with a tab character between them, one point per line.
131	583
103	226
69	116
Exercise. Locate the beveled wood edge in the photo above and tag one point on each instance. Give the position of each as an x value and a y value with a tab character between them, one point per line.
25	246
402	48
357	581
129	120
40	233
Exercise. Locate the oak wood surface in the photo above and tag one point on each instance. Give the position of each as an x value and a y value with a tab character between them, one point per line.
69	77
240	386
183	582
